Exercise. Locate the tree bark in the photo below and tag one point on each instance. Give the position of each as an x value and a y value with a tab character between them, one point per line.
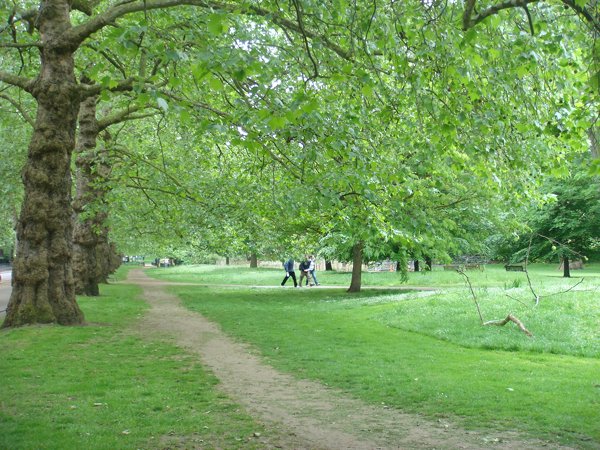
87	222
429	263
566	267
253	261
357	259
328	266
416	265
594	135
43	290
94	257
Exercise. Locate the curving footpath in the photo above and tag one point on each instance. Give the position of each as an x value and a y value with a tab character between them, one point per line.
303	414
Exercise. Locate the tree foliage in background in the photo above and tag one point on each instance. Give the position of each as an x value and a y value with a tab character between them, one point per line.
566	228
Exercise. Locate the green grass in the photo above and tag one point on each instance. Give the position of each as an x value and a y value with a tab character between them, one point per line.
430	354
492	275
102	386
105	386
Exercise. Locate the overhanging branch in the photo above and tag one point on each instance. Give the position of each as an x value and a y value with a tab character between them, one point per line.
76	35
123	115
21	82
470	20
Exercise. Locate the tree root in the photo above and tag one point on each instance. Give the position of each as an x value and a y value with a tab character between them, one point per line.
510	318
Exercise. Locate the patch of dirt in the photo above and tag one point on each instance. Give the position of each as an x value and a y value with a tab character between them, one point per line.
304	414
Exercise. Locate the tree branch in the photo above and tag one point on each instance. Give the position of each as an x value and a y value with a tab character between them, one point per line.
510	318
470	21
590	17
84	6
462	272
21	46
21	82
19	108
76	35
87	90
122	116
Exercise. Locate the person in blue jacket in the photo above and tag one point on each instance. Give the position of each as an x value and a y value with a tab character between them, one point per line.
289	272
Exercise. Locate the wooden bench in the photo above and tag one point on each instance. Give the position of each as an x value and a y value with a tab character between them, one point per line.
514	268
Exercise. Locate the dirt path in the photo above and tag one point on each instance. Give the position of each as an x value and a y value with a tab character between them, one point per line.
305	414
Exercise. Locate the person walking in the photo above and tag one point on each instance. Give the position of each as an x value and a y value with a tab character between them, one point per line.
312	269
289	272
303	267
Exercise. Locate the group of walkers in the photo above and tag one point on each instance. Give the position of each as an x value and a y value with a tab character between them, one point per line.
307	270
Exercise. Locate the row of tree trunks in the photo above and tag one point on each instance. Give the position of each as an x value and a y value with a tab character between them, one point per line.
87	224
94	258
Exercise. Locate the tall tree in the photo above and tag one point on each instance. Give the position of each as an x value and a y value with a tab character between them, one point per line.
43	288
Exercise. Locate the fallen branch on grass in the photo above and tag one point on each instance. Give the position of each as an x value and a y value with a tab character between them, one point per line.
510	318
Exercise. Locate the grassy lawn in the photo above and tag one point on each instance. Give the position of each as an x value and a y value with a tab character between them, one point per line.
103	386
428	353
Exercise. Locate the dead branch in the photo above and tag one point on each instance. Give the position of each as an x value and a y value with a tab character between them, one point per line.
564	292
537	297
515	299
510	318
462	272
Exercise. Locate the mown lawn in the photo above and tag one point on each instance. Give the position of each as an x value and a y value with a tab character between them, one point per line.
428	353
104	386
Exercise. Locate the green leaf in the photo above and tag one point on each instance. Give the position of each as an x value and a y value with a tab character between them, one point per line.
215	24
277	122
215	83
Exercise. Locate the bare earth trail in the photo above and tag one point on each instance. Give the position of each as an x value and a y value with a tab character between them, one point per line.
303	414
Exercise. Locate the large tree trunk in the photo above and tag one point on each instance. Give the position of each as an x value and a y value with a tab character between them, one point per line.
328	266
94	258
357	259
88	221
43	290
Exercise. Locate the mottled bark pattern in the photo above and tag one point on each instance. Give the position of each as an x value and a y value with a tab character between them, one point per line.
90	231
357	260
43	290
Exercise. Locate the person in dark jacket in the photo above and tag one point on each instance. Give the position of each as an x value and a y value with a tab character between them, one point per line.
289	272
303	267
